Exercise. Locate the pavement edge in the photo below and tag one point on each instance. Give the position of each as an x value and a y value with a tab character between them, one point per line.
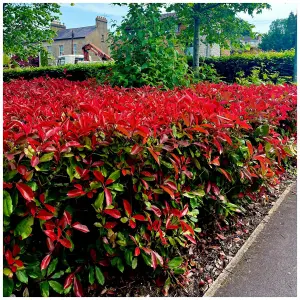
237	258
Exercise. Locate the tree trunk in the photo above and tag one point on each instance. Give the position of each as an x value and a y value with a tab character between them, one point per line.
295	62
196	43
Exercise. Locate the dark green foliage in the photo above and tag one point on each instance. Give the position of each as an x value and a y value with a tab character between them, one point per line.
71	72
229	66
44	58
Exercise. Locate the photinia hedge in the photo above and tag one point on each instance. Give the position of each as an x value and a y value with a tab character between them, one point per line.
100	179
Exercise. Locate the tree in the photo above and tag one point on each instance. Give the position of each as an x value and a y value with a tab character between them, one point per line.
26	26
281	35
146	50
217	22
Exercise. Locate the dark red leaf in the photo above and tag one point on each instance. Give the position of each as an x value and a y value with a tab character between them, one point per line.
16	250
68	217
139	217
113	213
44	215
99	176
66	243
153	259
25	191
50	208
77	288
75	193
108	197
51	234
80	227
45	262
69	280
155	156
93	254
127	207
22	169
9	257
137	251
136	149
50	244
34	161
156	210
110	225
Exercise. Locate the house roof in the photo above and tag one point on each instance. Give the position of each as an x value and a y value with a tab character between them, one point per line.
168	15
81	32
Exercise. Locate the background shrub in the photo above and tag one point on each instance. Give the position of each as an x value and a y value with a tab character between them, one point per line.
71	72
100	177
228	66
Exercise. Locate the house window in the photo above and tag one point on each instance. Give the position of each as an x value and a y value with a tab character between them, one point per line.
49	49
102	38
61	49
74	48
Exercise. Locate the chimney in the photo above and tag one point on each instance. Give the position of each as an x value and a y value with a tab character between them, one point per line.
57	25
101	21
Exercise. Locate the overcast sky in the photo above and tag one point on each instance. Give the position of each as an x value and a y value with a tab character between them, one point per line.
84	14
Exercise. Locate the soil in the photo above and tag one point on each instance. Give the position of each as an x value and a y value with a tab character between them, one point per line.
218	244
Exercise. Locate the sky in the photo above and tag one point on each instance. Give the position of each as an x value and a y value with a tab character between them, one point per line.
84	14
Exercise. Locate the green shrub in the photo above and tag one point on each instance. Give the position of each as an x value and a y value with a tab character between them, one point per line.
71	72
228	66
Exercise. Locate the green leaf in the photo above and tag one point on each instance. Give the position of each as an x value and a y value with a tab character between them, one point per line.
115	175
70	172
22	276
134	263
179	271
99	201
117	187
120	265
7	204
99	275
57	275
44	287
262	130
128	257
33	185
8	286
56	286
175	262
91	276
24	229
47	157
52	267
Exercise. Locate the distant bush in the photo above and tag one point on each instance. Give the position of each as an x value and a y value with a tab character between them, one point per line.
228	66
71	72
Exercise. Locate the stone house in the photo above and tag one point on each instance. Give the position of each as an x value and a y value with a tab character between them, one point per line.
62	45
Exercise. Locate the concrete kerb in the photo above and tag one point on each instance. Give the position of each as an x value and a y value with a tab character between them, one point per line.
237	258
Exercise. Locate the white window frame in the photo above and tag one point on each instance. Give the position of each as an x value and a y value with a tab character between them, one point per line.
74	48
61	50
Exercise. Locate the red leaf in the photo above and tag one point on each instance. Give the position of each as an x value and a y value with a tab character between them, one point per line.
69	280
44	215
93	255
99	176
34	161
184	211
50	244
169	191
19	263
80	227
250	148
160	259
216	161
172	185
132	224
66	243
156	210
200	129
109	181
75	193
9	257
45	262
68	217
73	144
77	288
110	225
113	213
25	191
123	130
139	217
22	169
190	238
50	208
137	251
108	196
16	250
153	259
127	207
136	149
155	156
51	234
226	174
215	189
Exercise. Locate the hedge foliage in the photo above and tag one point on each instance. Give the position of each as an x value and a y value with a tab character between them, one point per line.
99	179
71	72
228	66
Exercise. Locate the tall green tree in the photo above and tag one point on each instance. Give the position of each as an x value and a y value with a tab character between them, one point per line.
282	34
217	22
26	26
146	50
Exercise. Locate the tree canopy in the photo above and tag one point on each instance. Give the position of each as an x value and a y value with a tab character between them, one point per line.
26	26
282	34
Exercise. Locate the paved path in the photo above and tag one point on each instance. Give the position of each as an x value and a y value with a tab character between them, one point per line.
269	267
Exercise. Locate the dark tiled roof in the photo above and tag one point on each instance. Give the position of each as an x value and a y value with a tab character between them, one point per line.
81	32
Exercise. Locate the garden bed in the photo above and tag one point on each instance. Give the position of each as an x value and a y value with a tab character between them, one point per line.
100	181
